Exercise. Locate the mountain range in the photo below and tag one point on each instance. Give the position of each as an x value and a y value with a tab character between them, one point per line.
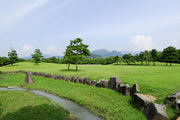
100	53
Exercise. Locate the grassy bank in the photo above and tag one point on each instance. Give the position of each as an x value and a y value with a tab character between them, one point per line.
104	102
18	105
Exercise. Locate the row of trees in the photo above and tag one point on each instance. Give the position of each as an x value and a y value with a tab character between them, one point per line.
13	57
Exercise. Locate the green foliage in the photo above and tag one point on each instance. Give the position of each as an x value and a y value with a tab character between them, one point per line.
4	61
129	58
13	58
76	51
51	60
37	56
170	55
154	55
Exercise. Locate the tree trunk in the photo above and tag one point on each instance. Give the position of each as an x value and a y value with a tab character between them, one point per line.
170	64
76	66
154	64
68	66
166	64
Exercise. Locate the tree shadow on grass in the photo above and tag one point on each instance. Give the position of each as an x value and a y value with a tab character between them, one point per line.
40	112
71	70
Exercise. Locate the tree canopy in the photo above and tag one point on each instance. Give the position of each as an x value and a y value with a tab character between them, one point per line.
37	56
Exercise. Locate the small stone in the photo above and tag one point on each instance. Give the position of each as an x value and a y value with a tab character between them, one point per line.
178	118
68	79
143	100
155	111
114	82
29	78
178	105
86	80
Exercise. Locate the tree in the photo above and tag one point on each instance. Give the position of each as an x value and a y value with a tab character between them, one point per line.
154	55
76	51
37	56
170	55
147	57
68	56
129	58
141	57
116	59
13	58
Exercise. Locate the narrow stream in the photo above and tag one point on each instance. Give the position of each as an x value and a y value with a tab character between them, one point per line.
80	112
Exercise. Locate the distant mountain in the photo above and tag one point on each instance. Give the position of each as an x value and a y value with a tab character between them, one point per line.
106	53
44	56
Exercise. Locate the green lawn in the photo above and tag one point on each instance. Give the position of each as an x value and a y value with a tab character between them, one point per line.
18	105
104	102
159	81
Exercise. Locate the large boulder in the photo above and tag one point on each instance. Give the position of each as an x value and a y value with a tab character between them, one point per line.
143	100
134	89
173	99
124	89
114	82
29	78
155	111
178	104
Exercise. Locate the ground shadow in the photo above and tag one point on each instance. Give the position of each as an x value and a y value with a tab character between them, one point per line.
40	112
138	107
70	70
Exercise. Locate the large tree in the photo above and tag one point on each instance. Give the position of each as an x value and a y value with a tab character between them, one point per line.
170	55
76	51
13	58
37	56
147	57
154	55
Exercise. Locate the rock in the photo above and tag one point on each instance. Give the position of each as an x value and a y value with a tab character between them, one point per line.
86	80
178	105
155	111
134	89
172	100
124	89
102	83
12	87
73	79
178	118
68	79
114	82
29	78
143	100
3	77
93	82
76	79
81	80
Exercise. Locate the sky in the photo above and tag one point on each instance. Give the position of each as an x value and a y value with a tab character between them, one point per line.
122	25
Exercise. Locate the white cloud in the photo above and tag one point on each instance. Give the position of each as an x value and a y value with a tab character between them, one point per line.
52	50
143	42
17	10
25	51
176	43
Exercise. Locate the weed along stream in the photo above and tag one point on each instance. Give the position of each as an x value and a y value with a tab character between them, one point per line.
80	112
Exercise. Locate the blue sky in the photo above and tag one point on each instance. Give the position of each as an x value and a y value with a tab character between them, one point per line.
123	25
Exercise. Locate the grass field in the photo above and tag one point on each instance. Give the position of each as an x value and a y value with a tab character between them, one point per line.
18	105
104	102
159	81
